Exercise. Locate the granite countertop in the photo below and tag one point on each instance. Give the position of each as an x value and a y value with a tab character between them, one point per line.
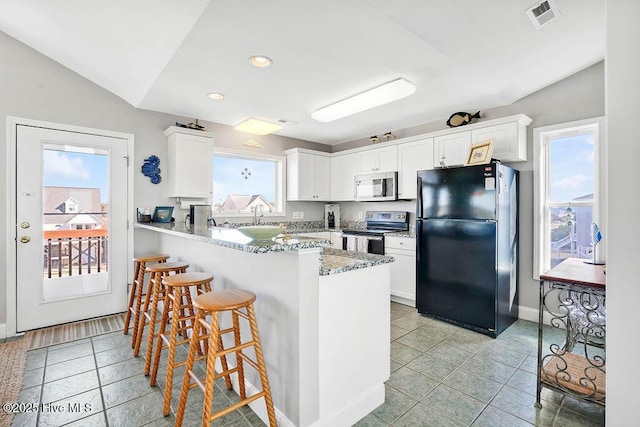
405	234
232	238
336	261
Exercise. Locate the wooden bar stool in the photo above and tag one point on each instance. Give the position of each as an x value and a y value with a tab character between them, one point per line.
137	295
156	292
177	302
212	303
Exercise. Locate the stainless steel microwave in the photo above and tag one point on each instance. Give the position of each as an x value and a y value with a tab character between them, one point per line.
376	187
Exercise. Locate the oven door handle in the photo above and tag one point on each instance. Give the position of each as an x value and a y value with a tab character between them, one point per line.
374	237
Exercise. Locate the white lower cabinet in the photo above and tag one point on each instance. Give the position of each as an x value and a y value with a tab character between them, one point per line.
403	270
336	239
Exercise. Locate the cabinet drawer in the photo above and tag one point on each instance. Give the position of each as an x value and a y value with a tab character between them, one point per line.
405	243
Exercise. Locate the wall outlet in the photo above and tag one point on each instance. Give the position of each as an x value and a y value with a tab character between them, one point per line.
301	215
296	215
359	215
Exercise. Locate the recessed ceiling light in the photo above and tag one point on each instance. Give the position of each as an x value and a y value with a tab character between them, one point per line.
260	61
380	95
216	96
258	127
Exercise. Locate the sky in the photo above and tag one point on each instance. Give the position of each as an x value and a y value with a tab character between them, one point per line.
572	167
68	169
228	177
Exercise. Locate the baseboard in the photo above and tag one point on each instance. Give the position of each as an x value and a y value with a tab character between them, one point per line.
402	300
528	313
532	315
356	409
3	331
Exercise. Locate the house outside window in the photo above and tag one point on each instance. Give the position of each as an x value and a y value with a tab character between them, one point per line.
243	182
569	183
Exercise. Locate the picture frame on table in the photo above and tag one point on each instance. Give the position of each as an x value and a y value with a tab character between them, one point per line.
480	152
162	214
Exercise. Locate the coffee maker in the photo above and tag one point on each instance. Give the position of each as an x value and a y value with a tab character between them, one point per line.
332	216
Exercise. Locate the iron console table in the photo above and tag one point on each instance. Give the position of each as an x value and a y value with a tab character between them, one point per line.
573	295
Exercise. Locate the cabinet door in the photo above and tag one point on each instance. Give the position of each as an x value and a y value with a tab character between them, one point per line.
190	166
387	159
452	150
343	170
336	239
322	178
507	147
367	161
412	157
403	276
306	176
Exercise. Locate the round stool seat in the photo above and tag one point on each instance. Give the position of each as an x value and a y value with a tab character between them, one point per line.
188	279
151	258
167	266
226	299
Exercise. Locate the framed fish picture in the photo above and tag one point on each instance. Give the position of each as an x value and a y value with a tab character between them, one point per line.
480	152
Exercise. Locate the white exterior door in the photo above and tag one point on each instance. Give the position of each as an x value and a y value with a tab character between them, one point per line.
71	223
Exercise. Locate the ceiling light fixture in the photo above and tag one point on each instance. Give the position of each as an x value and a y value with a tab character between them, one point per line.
258	127
260	61
216	96
380	95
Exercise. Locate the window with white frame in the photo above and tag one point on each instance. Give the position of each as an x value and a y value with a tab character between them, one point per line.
568	203
243	182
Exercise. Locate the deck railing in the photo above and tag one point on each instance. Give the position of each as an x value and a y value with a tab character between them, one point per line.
75	252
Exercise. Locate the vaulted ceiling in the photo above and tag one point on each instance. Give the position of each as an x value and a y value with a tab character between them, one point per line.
167	55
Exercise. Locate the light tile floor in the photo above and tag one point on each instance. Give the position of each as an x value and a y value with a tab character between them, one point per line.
441	375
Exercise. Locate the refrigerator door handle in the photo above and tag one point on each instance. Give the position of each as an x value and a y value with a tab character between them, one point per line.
418	234
419	197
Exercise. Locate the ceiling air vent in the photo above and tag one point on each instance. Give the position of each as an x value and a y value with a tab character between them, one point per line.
542	13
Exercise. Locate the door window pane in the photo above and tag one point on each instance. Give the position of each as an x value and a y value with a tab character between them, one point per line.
75	221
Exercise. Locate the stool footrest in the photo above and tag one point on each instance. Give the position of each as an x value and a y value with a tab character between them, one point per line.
237	405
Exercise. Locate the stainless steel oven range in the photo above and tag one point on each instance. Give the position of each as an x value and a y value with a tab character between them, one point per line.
371	239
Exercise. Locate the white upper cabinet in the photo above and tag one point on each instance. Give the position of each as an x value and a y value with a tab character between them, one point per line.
412	157
308	176
343	171
190	163
510	133
510	144
452	149
378	160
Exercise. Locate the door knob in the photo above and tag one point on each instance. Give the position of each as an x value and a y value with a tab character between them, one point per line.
25	225
25	239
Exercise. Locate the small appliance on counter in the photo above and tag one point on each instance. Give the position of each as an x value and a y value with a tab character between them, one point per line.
199	215
332	216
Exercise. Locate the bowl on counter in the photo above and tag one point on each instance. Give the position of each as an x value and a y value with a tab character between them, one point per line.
261	232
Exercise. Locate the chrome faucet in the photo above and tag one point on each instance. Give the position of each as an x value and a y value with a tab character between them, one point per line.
256	219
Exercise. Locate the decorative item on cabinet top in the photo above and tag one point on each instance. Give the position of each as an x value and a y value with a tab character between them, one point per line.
194	126
151	168
461	119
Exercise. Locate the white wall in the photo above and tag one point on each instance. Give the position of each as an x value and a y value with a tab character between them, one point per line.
35	87
623	266
579	96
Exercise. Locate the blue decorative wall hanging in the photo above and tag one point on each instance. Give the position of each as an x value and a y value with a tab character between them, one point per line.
151	168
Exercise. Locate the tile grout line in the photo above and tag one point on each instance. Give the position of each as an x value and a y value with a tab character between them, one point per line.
44	372
104	404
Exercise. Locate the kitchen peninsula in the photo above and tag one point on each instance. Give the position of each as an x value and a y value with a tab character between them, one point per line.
323	316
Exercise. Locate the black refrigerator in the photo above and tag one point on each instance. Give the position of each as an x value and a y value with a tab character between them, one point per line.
467	246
